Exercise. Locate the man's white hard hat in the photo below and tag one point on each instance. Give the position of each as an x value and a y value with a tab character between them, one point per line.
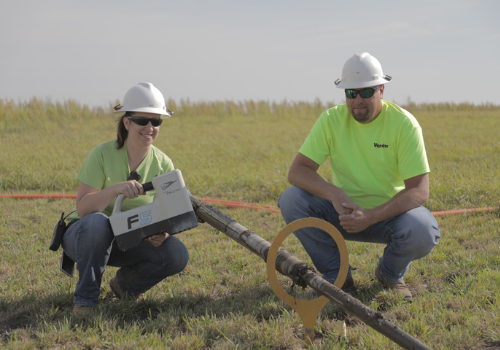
143	97
360	71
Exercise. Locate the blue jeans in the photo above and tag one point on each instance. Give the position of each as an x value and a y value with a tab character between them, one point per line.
409	236
90	243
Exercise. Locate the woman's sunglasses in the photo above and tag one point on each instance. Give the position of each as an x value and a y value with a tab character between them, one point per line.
364	93
143	121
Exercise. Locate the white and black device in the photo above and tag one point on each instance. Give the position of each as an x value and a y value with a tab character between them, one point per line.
171	212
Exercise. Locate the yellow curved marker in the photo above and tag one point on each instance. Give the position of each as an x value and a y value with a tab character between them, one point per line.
308	310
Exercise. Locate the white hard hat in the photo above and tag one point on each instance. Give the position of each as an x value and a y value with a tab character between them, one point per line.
143	97
360	71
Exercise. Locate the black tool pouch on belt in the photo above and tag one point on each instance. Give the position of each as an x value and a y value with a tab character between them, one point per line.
58	234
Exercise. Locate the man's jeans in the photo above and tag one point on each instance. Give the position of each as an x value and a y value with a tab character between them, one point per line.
90	243
409	236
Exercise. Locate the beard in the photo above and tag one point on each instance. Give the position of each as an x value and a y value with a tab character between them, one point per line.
361	116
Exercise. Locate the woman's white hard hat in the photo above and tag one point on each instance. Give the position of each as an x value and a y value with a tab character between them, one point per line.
360	71
143	97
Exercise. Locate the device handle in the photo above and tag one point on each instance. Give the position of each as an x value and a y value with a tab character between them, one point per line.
148	186
118	203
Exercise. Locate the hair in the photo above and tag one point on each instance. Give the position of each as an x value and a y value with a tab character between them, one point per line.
122	132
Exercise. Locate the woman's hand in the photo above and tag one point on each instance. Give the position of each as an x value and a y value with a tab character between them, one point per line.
130	189
158	239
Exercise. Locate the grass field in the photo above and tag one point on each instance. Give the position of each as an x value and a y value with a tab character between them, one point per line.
241	152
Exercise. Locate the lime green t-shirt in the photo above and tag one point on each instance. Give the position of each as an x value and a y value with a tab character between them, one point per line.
369	161
106	165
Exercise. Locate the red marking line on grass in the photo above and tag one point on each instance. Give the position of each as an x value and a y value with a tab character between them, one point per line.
235	205
461	211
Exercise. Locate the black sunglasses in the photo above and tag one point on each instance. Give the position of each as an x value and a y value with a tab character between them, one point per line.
364	93
143	121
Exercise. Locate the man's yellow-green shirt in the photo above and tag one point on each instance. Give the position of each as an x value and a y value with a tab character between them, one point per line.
369	161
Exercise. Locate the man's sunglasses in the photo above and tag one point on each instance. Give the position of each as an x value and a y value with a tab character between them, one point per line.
364	93
143	121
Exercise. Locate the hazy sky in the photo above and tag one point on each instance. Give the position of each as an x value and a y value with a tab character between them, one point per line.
94	51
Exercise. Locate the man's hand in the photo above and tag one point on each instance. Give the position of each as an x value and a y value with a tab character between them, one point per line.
303	173
342	203
357	220
415	194
158	239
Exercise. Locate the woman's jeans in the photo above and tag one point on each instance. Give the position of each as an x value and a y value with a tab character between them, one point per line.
409	236
90	243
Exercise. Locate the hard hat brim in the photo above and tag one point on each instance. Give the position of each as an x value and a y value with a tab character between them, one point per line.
361	85
144	110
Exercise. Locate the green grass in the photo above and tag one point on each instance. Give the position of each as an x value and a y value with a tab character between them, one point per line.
241	152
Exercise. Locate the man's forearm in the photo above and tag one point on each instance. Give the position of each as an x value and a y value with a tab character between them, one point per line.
310	181
403	201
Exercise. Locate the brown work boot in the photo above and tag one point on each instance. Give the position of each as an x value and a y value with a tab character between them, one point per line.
117	291
349	285
82	310
399	287
115	288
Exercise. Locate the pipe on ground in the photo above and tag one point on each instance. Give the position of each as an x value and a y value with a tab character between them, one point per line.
303	274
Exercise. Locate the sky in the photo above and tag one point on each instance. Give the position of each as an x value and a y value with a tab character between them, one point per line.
93	51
